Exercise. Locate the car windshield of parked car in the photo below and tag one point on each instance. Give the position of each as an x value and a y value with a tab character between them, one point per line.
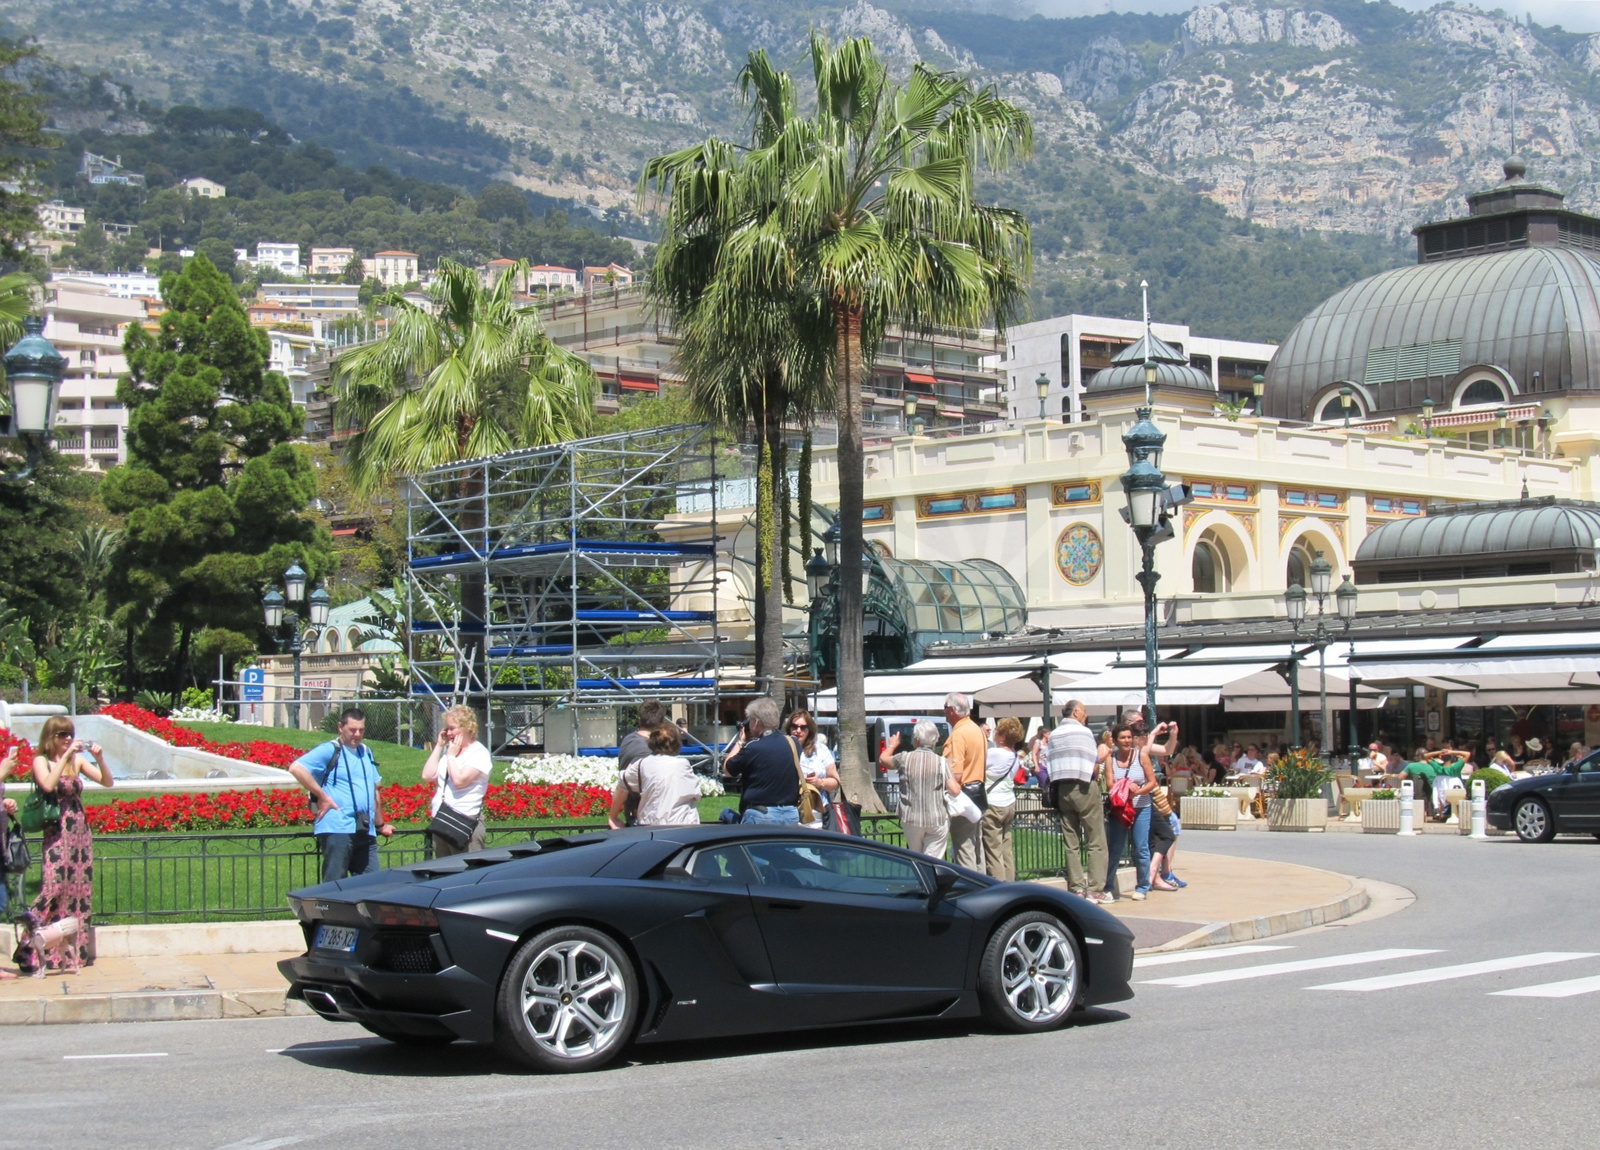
830	867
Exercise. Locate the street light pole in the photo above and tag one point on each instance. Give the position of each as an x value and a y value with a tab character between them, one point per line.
1144	484
1345	596
1043	385
1294	601
278	618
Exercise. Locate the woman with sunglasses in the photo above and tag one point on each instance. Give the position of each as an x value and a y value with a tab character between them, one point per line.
815	759
58	920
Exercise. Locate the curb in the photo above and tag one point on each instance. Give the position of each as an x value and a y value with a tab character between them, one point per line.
150	1006
1270	926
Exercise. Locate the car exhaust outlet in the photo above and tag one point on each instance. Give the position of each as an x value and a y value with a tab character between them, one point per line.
325	1005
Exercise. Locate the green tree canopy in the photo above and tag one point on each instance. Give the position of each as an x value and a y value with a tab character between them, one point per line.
213	492
21	128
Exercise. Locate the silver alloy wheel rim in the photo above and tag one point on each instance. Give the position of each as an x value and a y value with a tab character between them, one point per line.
1530	820
574	999
1038	973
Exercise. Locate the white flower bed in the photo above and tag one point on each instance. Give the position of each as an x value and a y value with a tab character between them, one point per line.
585	770
198	715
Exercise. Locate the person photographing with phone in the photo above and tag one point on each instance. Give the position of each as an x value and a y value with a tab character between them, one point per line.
342	779
460	765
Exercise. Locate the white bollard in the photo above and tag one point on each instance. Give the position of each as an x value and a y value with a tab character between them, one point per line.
1480	810
1407	815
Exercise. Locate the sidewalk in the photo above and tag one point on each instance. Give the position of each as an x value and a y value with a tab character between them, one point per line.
198	971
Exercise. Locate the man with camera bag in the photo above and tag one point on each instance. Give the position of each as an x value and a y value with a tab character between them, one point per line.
342	777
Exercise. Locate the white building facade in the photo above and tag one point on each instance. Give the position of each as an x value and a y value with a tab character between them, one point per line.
86	323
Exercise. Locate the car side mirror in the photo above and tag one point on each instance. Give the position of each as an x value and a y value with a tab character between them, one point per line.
944	881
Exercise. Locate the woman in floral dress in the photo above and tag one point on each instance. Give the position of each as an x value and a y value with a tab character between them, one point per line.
68	888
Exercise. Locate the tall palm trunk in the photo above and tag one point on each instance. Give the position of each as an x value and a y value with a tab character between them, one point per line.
769	581
854	768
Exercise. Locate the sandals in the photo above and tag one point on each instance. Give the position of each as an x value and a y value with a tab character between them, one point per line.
1158	885
53	937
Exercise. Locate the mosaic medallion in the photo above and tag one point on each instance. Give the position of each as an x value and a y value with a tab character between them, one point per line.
1079	554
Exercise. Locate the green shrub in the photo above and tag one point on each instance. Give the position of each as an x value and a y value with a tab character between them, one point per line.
198	698
1492	777
1385	793
1299	775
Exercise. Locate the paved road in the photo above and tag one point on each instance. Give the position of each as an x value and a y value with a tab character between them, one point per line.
1394	1031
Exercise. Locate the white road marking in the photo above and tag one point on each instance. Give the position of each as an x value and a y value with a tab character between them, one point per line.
1554	989
265	1143
1196	955
88	1057
1465	970
1237	973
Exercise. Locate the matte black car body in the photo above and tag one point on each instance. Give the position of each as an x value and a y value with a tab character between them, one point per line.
1570	798
713	957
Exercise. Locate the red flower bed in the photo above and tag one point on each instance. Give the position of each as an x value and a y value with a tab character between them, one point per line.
260	809
24	768
256	751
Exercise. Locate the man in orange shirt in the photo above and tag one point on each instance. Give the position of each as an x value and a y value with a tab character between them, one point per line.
967	752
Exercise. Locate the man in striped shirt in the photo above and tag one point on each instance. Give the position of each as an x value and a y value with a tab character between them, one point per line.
1072	759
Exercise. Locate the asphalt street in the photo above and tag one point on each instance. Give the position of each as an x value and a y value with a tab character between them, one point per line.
1391	1030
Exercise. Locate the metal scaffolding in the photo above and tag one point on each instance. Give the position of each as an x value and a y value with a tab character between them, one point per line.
557	582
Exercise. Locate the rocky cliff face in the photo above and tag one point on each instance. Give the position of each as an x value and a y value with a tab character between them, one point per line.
1360	117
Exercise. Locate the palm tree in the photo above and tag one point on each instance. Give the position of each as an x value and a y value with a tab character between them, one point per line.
474	375
750	357
869	206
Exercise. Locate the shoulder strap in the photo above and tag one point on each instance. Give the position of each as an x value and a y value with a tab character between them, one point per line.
1011	770
794	753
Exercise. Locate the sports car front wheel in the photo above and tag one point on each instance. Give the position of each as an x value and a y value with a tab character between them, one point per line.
568	1001
1031	974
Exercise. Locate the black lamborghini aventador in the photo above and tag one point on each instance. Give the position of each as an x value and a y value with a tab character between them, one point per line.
564	951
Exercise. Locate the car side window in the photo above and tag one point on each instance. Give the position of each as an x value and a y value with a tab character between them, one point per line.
722	864
835	867
1591	765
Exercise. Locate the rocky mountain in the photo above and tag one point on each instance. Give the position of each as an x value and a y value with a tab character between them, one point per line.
1344	116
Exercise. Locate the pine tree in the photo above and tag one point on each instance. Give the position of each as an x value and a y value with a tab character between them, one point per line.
214	493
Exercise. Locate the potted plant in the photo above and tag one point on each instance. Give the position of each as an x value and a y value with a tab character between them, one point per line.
1208	809
1297	803
1380	813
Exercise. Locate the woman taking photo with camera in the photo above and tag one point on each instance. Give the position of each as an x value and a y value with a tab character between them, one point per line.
58	920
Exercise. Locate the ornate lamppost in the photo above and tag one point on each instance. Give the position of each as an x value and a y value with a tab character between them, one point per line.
1295	606
284	626
1144	485
1042	384
1346	598
33	376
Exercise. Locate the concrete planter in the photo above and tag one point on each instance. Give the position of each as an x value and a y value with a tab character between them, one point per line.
1380	816
1297	814
1209	814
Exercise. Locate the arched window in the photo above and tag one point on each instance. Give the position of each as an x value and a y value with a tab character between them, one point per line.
1481	391
1337	406
1299	566
1209	570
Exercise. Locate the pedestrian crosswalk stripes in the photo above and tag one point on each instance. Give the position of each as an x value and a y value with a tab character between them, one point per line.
1238	973
1573	986
1150	960
1463	970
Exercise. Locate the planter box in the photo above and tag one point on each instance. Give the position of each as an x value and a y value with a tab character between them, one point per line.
1297	814
1380	816
1209	814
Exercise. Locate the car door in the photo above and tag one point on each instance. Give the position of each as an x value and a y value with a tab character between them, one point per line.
852	928
1580	798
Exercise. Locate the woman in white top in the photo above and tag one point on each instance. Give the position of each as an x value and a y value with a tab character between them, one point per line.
461	766
815	760
669	794
1000	770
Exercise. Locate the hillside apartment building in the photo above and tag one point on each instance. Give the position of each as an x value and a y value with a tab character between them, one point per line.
86	323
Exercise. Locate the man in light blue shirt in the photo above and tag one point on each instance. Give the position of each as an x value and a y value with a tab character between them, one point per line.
343	779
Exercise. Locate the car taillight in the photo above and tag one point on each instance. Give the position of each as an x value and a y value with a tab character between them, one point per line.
396	914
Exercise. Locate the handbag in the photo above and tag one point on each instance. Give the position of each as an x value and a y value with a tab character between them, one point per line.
17	859
39	810
961	806
810	803
843	816
452	826
978	794
1121	801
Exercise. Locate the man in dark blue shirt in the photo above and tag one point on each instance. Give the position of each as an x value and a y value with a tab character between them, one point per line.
767	765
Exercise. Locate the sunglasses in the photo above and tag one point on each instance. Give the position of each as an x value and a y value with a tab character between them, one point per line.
799	726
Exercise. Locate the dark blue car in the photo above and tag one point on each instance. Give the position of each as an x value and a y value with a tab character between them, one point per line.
1541	807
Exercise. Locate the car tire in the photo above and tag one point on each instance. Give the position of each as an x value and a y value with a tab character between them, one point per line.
414	1041
1533	821
568	1001
1031	976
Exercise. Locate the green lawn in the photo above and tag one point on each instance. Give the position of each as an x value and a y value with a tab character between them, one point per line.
398	764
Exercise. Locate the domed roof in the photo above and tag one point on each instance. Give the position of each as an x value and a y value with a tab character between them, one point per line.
1172	369
1525	311
1526	529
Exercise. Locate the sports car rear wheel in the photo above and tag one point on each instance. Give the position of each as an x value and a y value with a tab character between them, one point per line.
1031	974
568	1001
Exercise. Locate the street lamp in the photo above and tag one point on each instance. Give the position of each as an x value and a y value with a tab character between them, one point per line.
1144	486
822	585
33	374
1258	388
1346	598
1427	416
910	408
284	625
1345	394
1043	386
1294	602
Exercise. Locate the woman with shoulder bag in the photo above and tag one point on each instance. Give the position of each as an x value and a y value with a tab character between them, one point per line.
58	920
1129	764
461	766
1000	770
8	811
816	760
669	794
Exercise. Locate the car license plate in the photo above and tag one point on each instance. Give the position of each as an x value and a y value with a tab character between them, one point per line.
336	938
